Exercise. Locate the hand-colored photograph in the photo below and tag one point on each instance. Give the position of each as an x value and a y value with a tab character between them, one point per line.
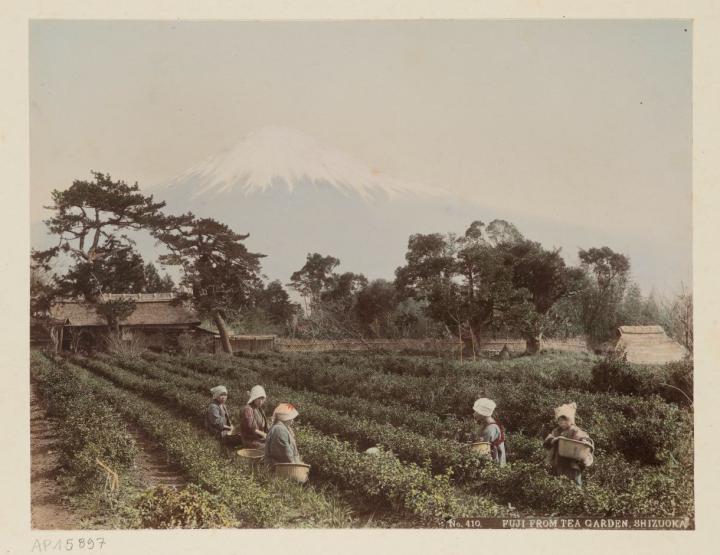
361	274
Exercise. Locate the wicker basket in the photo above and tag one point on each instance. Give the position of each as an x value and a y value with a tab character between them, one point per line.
573	449
251	457
298	472
481	448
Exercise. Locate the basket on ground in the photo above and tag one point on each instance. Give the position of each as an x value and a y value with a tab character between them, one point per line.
573	449
251	456
481	447
298	472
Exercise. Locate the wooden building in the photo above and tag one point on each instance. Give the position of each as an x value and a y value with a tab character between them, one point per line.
158	319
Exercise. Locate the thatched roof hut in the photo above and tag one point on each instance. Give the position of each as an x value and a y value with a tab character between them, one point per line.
159	320
648	345
151	310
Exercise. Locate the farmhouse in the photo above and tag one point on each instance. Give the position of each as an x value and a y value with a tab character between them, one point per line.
648	345
158	318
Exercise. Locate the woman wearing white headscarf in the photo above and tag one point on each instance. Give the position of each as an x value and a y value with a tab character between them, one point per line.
254	425
491	430
563	466
280	445
217	417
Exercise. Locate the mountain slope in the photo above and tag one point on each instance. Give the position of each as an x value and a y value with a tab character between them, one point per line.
280	157
295	196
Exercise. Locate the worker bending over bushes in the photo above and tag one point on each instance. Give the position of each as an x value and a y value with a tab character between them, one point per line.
490	429
565	466
280	445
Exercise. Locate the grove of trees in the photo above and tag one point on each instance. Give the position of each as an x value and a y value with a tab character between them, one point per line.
489	281
92	221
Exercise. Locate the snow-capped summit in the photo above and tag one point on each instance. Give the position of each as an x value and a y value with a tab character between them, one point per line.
279	157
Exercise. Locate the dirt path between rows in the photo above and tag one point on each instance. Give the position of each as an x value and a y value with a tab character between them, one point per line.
47	510
152	464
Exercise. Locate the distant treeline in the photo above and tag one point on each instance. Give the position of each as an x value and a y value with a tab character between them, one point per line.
489	281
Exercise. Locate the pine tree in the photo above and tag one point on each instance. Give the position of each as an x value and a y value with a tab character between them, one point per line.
217	267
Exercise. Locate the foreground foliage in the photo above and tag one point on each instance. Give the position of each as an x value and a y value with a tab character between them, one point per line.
407	488
89	431
616	485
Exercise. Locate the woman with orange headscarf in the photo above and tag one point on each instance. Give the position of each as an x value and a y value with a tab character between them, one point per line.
280	445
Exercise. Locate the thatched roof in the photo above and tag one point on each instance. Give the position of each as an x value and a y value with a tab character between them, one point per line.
47	321
642	330
648	345
151	309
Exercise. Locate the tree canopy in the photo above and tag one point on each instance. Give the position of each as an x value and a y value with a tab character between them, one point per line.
314	277
491	278
91	218
217	267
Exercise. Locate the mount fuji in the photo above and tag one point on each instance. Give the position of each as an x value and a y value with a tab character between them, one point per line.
295	196
279	157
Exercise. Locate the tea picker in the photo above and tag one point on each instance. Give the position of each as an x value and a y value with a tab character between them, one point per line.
217	418
492	433
281	450
253	423
570	449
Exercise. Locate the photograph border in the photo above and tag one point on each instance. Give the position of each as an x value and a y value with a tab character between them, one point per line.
17	536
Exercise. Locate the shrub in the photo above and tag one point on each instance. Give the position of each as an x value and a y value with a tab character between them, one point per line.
627	429
614	373
128	344
91	433
190	507
90	429
191	344
381	478
644	428
610	484
680	379
255	499
426	498
673	381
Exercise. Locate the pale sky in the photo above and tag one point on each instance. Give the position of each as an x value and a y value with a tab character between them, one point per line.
583	123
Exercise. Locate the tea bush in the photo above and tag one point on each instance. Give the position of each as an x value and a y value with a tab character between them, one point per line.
611	484
190	507
680	378
643	428
90	429
616	485
614	373
673	381
322	452
256	500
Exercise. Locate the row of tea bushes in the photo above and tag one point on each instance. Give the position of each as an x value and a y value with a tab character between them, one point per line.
430	498
90	430
255	500
646	429
613	483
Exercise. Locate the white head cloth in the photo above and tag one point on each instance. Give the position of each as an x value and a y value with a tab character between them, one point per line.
218	390
567	410
484	406
256	392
